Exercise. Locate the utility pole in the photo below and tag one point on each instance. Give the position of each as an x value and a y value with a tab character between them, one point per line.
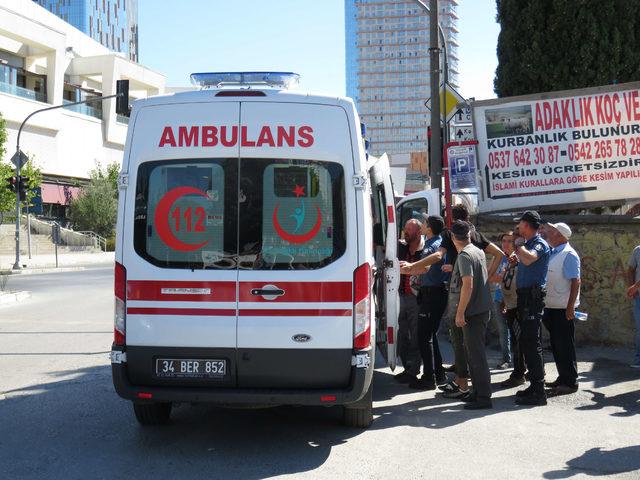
435	155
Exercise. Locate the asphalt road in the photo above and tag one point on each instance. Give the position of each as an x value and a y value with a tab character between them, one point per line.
60	417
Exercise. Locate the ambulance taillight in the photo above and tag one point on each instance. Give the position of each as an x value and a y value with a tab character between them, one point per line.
120	290
362	307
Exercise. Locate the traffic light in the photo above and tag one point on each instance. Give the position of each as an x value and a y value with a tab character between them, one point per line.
122	100
23	186
12	182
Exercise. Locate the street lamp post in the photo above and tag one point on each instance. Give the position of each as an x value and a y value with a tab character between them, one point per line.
122	89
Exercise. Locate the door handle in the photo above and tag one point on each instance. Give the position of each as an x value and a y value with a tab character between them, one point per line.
272	292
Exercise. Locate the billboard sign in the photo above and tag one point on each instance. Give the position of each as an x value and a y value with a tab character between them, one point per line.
563	148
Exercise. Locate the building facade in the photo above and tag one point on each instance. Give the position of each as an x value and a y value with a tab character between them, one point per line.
388	71
44	61
112	23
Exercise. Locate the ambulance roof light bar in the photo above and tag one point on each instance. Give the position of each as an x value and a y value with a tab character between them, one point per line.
282	80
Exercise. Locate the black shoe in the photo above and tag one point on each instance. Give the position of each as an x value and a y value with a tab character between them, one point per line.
535	399
470	397
404	377
479	405
450	368
512	382
422	384
525	393
442	379
553	384
562	390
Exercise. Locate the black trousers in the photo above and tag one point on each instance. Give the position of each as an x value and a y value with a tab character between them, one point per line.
530	310
433	303
519	367
562	333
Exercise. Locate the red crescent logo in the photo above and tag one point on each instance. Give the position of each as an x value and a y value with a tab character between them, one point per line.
161	219
291	238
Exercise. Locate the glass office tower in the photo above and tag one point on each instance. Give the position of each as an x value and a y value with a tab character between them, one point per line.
113	23
387	68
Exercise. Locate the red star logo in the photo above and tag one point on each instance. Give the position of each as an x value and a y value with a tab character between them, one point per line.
299	191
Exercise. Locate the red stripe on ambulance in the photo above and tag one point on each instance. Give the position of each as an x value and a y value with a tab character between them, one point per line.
208	312
153	290
300	291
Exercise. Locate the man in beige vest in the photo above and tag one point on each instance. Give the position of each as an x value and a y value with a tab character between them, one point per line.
563	296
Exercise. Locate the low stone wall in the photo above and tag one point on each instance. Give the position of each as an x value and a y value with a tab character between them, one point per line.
68	237
604	244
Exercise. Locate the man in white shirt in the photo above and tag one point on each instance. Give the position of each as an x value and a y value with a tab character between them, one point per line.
563	296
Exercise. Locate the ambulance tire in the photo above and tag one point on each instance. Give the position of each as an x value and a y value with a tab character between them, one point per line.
152	413
360	414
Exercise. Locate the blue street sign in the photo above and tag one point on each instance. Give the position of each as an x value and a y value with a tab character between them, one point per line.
462	167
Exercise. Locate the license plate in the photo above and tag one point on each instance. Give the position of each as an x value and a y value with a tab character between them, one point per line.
190	368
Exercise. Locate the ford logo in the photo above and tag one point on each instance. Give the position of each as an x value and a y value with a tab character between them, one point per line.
301	337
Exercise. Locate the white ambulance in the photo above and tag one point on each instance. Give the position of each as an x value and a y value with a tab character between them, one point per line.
246	268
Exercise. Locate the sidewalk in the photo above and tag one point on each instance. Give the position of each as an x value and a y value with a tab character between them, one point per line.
66	261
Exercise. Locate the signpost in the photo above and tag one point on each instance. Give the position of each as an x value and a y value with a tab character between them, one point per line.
19	159
462	165
460	133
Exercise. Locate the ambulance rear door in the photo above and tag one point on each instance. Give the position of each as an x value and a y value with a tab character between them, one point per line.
297	246
180	244
387	267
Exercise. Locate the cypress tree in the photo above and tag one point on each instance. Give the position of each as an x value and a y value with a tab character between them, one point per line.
547	45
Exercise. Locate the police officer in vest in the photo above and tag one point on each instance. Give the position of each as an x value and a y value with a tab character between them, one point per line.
563	296
532	254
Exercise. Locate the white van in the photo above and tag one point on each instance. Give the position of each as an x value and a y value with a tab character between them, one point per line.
246	268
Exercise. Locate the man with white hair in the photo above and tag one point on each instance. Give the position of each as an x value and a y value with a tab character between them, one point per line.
563	296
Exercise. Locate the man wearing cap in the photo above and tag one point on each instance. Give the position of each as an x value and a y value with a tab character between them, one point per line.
470	302
532	253
563	296
433	302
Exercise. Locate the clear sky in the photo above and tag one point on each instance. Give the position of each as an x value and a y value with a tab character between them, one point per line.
304	36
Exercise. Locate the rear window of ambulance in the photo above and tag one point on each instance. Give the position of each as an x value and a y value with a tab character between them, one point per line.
270	215
185	213
292	214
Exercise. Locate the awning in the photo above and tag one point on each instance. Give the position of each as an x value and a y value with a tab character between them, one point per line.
60	194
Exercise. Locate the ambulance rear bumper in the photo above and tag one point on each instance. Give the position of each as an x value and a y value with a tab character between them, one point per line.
359	383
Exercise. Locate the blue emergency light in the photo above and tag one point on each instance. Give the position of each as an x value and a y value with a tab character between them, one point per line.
284	80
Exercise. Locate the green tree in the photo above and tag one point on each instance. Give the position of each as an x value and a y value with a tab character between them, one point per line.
548	45
96	208
7	170
111	172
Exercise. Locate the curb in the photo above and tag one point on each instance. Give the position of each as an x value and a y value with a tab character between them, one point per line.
14	297
36	271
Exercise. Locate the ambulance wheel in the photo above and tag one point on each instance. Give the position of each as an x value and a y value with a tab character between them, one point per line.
360	414
152	413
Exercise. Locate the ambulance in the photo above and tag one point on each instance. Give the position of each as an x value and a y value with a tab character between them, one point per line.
255	251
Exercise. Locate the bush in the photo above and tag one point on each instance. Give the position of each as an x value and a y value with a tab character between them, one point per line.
111	244
96	208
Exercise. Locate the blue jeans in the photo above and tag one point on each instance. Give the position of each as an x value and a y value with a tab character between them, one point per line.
500	322
636	315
